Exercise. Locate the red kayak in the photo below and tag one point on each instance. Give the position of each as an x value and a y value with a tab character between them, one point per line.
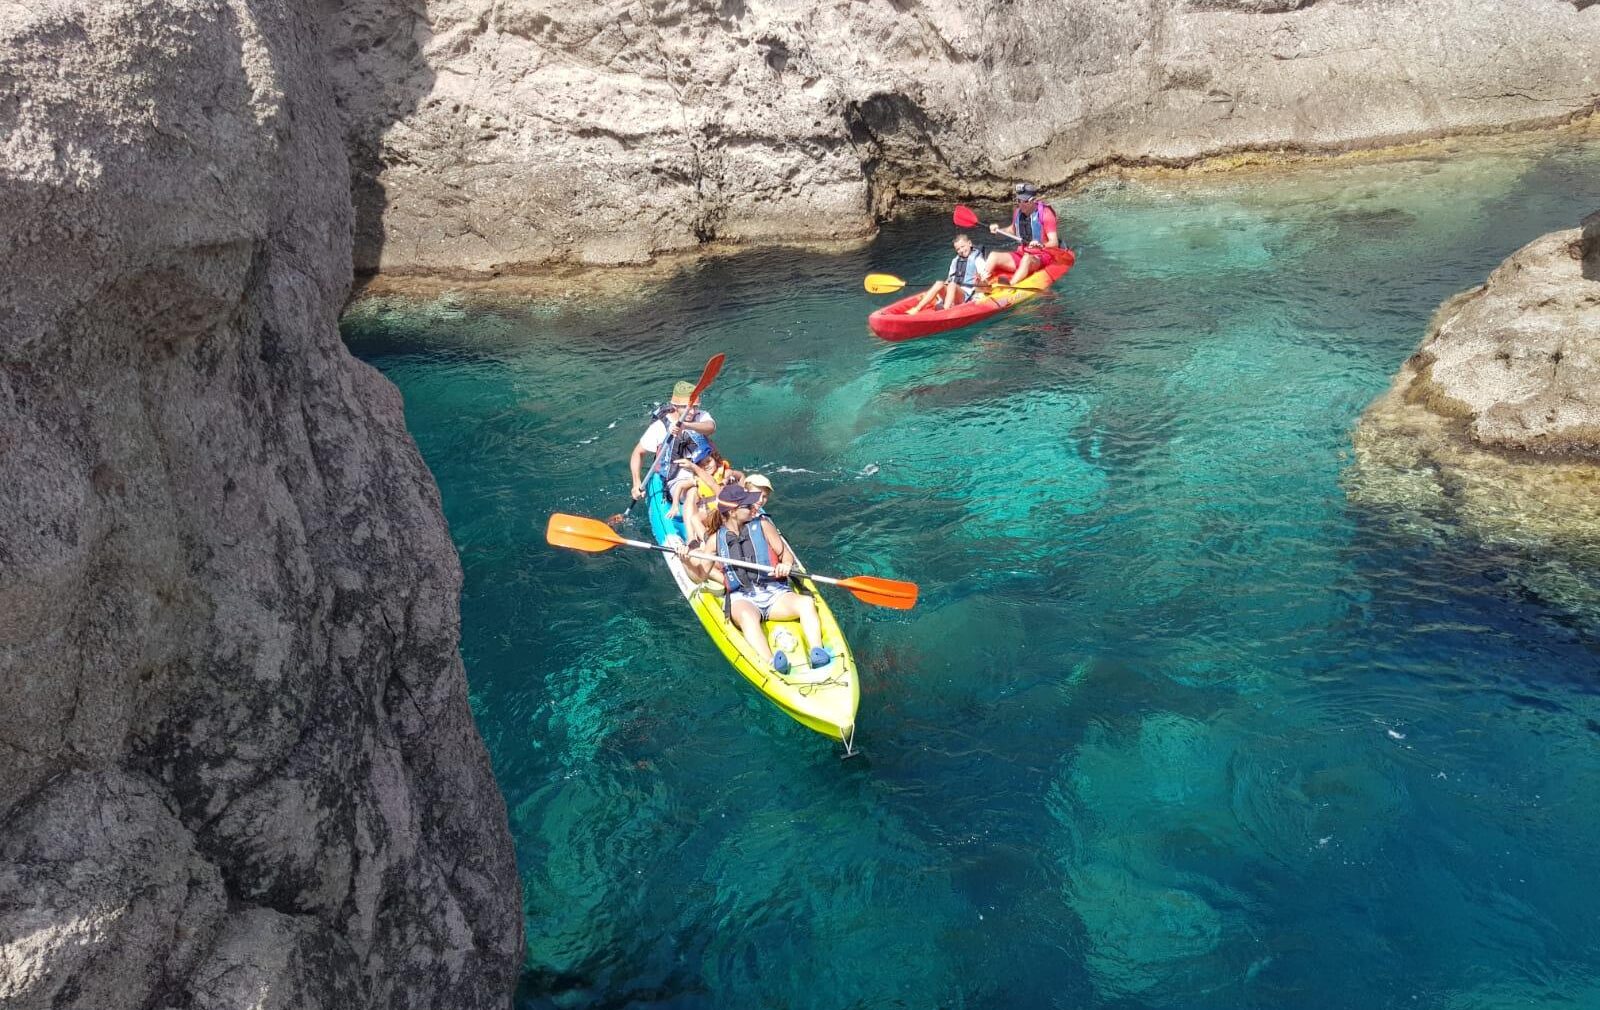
892	323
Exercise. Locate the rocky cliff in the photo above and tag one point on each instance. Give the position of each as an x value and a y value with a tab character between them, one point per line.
1493	426
237	767
494	135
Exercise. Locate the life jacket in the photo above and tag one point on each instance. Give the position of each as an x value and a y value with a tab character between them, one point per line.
719	477
690	444
1030	227
751	546
964	269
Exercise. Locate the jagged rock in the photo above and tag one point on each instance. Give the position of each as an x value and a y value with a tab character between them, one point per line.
1590	246
1519	358
115	901
1493	427
269	961
228	618
499	136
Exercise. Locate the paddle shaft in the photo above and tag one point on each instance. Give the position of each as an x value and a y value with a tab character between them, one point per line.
990	286
709	373
753	566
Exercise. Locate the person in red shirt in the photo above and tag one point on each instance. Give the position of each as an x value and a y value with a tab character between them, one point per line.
1033	225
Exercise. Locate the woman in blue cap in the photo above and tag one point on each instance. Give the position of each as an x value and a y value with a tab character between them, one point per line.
753	597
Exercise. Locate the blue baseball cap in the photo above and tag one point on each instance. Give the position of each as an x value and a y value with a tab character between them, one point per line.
732	496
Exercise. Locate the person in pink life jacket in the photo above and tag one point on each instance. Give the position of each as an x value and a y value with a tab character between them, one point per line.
1033	225
969	269
742	534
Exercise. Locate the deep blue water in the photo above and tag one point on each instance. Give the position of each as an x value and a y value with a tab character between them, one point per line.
1175	724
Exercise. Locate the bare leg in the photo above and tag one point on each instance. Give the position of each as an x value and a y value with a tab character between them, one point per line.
794	606
693	524
677	500
1000	263
1025	266
748	618
927	297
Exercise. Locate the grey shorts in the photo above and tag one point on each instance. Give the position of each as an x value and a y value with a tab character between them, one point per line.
762	597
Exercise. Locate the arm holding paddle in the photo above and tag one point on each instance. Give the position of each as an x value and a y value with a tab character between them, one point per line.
593	536
995	229
707	426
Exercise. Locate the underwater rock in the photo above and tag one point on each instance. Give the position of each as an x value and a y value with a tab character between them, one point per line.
236	742
496	137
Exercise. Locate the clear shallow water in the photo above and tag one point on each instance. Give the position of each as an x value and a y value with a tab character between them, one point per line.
1174	725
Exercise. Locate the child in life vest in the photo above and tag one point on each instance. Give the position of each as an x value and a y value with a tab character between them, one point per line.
693	498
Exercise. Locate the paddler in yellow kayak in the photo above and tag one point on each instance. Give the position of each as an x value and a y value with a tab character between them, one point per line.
969	269
753	597
677	422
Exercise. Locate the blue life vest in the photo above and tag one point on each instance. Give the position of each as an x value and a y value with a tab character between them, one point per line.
695	446
964	269
751	546
688	444
1030	228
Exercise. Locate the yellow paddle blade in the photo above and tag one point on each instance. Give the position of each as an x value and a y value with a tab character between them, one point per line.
890	593
581	534
882	284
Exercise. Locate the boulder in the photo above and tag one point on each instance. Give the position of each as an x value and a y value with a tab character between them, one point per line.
1491	431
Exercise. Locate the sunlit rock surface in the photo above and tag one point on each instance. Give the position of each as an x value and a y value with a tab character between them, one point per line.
499	136
1493	426
237	765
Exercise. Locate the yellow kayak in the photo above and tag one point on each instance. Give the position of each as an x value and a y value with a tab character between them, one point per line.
824	700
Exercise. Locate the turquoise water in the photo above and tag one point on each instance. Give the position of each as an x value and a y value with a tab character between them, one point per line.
1175	725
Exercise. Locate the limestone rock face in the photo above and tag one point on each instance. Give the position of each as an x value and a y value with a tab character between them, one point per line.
1590	246
493	136
1519	358
235	750
1493	426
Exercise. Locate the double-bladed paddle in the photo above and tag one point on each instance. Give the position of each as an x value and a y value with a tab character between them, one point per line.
966	217
593	536
883	284
707	376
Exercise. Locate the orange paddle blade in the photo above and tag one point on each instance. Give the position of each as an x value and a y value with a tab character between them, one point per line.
890	593
882	284
706	375
964	217
581	534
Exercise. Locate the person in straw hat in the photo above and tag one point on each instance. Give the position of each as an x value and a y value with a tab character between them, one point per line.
686	425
